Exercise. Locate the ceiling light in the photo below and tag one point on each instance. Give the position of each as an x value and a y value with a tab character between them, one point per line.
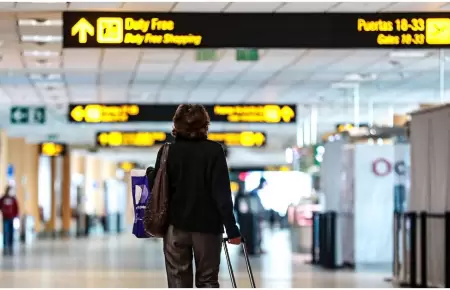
40	22
47	77
41	53
344	85
41	38
360	77
408	54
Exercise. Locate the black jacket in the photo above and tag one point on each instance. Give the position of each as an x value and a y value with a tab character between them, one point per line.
199	187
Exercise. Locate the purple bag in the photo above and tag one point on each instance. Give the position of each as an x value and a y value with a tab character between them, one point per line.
141	194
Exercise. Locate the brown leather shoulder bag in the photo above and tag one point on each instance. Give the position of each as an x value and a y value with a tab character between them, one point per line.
156	219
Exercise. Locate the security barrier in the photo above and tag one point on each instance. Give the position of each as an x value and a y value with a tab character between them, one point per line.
421	250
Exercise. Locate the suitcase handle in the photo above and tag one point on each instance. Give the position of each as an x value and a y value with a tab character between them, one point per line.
247	263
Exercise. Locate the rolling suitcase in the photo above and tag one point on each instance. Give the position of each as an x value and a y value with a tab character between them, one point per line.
230	267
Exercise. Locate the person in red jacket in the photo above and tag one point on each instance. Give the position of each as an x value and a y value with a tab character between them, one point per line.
9	210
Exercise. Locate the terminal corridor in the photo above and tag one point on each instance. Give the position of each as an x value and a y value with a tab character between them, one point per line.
124	262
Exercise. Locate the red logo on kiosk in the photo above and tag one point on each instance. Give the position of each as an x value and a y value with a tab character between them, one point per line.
381	167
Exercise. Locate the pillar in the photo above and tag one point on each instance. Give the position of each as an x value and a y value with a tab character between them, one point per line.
66	209
3	165
3	160
16	157
31	170
93	186
50	227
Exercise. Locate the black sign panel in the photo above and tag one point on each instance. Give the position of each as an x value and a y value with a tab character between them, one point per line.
128	113
52	149
151	138
255	30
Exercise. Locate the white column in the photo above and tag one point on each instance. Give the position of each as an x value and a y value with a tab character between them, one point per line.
370	113
356	105
391	116
313	125
441	75
300	137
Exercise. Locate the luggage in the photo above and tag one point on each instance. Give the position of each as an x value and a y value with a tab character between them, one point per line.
247	262
140	193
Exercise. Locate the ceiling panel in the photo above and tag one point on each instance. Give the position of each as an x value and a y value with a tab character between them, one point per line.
360	6
175	76
199	7
253	7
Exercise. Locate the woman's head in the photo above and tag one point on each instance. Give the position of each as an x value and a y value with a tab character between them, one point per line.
190	121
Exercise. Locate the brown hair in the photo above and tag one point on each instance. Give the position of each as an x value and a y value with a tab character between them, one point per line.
191	121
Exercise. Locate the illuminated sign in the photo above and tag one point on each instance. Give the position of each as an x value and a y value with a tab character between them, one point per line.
149	139
52	149
124	113
127	166
130	139
346	127
262	30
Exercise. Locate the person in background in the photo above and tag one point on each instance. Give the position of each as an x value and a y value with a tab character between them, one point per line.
9	210
200	202
255	194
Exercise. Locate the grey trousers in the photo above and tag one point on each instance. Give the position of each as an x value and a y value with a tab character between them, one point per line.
179	249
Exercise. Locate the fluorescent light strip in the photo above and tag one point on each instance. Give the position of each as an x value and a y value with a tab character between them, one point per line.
408	54
34	22
48	77
41	38
41	53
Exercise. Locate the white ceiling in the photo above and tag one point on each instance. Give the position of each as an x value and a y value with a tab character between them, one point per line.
304	77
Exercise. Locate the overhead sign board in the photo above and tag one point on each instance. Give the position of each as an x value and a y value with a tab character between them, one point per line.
255	30
149	139
129	113
52	149
27	115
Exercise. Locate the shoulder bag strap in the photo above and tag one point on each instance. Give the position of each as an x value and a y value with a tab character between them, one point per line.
164	155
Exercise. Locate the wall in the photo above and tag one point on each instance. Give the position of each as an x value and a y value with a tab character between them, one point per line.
374	205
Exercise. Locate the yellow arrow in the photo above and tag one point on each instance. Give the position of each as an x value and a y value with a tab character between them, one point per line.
259	139
77	113
83	28
287	114
247	139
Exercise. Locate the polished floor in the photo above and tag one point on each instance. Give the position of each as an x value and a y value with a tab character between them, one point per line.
125	262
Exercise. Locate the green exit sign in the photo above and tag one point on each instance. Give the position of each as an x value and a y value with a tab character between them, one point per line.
206	55
21	115
247	55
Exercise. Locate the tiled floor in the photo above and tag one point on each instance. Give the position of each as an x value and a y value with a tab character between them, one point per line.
122	261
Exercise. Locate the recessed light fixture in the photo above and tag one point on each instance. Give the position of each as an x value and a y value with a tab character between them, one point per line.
41	38
360	77
40	22
41	53
409	54
45	77
344	85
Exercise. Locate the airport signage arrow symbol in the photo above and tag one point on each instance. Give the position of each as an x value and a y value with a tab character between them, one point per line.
287	113
83	28
19	115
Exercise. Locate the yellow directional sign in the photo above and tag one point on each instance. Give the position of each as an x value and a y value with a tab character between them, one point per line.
256	113
149	139
437	31
83	28
52	149
130	139
97	113
243	139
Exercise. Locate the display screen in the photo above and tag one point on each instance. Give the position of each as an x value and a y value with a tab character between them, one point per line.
150	138
52	149
255	30
128	113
